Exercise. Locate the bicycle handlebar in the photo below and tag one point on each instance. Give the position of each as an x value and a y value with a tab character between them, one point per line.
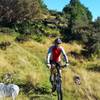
65	65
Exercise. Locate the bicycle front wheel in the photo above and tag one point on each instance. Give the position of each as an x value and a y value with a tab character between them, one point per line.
59	92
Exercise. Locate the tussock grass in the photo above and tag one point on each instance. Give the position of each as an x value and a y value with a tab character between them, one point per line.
26	63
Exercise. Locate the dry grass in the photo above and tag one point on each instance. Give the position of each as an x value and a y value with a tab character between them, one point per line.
27	62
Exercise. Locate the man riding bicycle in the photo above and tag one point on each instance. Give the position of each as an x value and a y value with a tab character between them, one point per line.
54	57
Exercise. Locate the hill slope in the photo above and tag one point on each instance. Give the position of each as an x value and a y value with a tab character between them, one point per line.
25	62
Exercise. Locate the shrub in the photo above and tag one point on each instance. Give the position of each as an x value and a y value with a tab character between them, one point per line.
39	38
6	30
15	10
4	45
24	27
22	38
51	32
92	46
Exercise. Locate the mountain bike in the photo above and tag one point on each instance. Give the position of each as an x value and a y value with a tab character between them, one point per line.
56	80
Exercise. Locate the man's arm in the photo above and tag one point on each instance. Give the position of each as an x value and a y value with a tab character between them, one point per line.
48	56
64	54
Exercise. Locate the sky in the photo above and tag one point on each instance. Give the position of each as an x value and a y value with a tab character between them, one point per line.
92	5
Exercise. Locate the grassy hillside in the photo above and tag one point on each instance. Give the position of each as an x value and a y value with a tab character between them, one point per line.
25	62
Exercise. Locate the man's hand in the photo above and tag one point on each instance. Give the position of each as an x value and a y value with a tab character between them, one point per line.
49	66
67	64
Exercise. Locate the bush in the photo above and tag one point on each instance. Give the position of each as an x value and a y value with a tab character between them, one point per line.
39	38
6	30
51	32
4	45
21	38
24	27
18	10
92	45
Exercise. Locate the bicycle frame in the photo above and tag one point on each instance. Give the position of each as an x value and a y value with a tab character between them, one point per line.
57	81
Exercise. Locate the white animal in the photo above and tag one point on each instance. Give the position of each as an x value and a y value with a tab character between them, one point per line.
10	90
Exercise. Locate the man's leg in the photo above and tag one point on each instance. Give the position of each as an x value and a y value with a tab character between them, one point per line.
52	80
58	66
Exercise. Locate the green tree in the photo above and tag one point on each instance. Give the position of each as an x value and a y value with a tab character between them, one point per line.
79	17
92	44
97	24
12	11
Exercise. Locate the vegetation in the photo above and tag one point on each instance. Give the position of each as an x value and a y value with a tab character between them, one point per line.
28	28
79	17
12	11
92	40
25	62
81	28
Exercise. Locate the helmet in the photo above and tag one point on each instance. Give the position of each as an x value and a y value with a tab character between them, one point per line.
58	41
